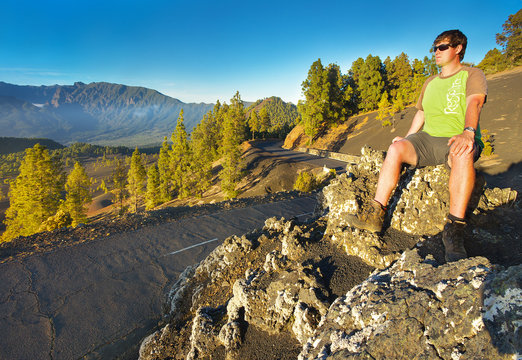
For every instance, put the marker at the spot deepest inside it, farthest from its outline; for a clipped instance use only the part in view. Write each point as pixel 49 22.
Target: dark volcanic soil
pixel 48 241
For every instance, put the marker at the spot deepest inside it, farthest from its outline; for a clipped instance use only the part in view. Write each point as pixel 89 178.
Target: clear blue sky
pixel 204 50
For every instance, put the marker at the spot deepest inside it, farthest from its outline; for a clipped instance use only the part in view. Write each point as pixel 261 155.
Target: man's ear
pixel 458 49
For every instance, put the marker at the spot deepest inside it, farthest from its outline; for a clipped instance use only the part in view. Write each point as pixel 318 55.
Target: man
pixel 448 114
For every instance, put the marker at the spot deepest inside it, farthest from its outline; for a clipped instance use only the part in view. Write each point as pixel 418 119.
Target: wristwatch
pixel 469 128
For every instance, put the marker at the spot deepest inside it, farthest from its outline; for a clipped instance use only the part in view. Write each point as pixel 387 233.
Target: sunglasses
pixel 441 47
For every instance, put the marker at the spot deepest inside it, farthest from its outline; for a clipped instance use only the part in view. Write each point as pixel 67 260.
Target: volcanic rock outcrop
pixel 325 290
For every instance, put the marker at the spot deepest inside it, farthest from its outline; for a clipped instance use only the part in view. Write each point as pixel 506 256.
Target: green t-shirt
pixel 443 100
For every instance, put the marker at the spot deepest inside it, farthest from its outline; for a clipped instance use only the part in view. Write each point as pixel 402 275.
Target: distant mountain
pixel 98 113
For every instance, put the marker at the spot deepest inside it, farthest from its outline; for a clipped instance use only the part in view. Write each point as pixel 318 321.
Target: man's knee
pixel 402 151
pixel 461 160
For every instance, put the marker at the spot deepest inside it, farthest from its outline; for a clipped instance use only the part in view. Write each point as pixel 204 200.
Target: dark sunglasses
pixel 441 47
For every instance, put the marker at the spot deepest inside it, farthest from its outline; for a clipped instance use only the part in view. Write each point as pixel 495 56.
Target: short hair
pixel 455 38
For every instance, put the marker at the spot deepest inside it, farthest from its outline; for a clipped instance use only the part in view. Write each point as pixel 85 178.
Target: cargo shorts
pixel 433 150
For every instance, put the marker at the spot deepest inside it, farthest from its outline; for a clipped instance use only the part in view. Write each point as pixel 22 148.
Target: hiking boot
pixel 453 240
pixel 370 217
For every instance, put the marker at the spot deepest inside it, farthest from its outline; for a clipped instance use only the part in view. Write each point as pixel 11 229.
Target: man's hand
pixel 397 138
pixel 462 144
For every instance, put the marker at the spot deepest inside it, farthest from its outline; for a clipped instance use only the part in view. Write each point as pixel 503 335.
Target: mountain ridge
pixel 101 113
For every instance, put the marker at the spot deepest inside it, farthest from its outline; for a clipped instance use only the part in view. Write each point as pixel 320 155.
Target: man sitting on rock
pixel 448 113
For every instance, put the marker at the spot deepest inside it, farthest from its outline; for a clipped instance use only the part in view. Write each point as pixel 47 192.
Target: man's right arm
pixel 416 125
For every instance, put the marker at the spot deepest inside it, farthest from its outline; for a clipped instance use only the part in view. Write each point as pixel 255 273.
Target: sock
pixel 454 218
pixel 382 206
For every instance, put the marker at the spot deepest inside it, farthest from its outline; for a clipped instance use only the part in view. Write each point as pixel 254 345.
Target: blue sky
pixel 202 51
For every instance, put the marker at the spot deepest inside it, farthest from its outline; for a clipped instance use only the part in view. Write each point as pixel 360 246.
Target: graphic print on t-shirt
pixel 453 96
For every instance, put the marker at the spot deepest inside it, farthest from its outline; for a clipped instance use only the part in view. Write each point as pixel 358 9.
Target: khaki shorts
pixel 432 150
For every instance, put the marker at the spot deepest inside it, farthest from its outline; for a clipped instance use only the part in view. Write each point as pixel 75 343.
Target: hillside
pixel 98 113
pixel 10 145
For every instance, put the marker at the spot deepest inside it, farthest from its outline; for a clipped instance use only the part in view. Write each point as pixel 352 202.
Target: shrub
pixel 305 182
pixel 487 139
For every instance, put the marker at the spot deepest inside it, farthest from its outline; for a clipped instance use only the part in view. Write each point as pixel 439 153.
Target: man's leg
pixel 461 183
pixel 399 152
pixel 371 218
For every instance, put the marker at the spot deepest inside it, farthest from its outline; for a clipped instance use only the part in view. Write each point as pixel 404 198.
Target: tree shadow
pixel 338 143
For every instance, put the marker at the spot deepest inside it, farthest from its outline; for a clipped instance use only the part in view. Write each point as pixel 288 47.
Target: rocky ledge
pixel 325 290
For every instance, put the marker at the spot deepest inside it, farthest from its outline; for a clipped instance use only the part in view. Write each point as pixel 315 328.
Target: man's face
pixel 446 54
pixel 444 57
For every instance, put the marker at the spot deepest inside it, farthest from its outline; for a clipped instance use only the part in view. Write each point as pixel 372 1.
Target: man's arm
pixel 463 143
pixel 416 125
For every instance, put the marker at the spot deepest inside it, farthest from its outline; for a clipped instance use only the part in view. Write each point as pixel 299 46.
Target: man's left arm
pixel 463 143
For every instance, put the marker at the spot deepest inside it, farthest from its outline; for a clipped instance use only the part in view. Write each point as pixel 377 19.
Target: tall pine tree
pixel 35 194
pixel 153 196
pixel 164 172
pixel 253 123
pixel 233 132
pixel 313 109
pixel 136 179
pixel 327 97
pixel 119 178
pixel 203 150
pixel 180 159
pixel 78 195
pixel 368 76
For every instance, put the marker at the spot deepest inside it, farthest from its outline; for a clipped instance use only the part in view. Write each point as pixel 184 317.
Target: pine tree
pixel 430 65
pixel 398 73
pixel 312 110
pixel 205 141
pixel 119 177
pixel 35 194
pixel 103 187
pixel 201 166
pixel 232 138
pixel 493 62
pixel 369 79
pixel 180 159
pixel 384 110
pixel 153 196
pixel 78 194
pixel 264 119
pixel 419 77
pixel 327 95
pixel 165 176
pixel 136 178
pixel 511 38
pixel 254 123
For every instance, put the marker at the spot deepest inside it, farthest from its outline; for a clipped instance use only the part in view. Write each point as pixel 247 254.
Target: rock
pixel 349 192
pixel 230 335
pixel 502 310
pixel 421 202
pixel 204 338
pixel 418 309
pixel 270 301
pixel 418 206
pixel 365 245
pixel 493 198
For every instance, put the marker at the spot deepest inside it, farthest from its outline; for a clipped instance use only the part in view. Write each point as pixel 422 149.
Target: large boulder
pixel 418 206
pixel 419 309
